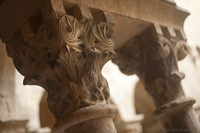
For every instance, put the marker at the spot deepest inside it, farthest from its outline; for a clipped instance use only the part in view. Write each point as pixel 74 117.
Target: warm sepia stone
pixel 8 106
pixel 66 65
pixel 144 105
pixel 62 46
pixel 65 56
pixel 153 57
pixel 11 119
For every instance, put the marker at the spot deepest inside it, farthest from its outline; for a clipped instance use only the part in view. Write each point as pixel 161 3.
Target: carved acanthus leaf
pixel 103 36
pixel 70 30
pixel 66 58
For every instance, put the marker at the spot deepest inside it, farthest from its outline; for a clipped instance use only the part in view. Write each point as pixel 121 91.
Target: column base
pixel 13 126
pixel 92 119
pixel 178 116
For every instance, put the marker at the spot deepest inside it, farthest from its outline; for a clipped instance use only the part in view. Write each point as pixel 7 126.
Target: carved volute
pixel 66 59
pixel 65 56
pixel 153 56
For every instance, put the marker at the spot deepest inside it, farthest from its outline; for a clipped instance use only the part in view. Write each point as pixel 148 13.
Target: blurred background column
pixel 11 120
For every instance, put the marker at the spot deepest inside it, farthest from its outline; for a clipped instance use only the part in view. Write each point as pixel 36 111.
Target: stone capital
pixel 153 56
pixel 65 55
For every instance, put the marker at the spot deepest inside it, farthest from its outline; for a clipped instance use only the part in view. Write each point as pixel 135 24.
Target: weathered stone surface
pixel 46 117
pixel 153 57
pixel 11 119
pixel 145 10
pixel 7 85
pixel 10 126
pixel 65 55
pixel 144 104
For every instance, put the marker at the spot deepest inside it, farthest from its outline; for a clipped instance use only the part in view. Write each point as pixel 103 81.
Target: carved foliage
pixel 66 59
pixel 154 60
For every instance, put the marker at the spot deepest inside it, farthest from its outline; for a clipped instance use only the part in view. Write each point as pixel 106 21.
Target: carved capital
pixel 153 57
pixel 66 57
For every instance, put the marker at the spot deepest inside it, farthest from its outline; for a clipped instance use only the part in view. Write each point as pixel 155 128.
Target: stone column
pixel 7 85
pixel 11 120
pixel 65 54
pixel 153 56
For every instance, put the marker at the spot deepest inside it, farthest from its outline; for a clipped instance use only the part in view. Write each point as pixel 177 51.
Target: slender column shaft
pixel 153 57
pixel 11 119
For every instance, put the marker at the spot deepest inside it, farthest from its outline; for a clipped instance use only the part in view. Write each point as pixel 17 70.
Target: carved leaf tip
pixel 71 30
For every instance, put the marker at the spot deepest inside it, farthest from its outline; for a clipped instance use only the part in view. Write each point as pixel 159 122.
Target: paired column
pixel 65 54
pixel 153 56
